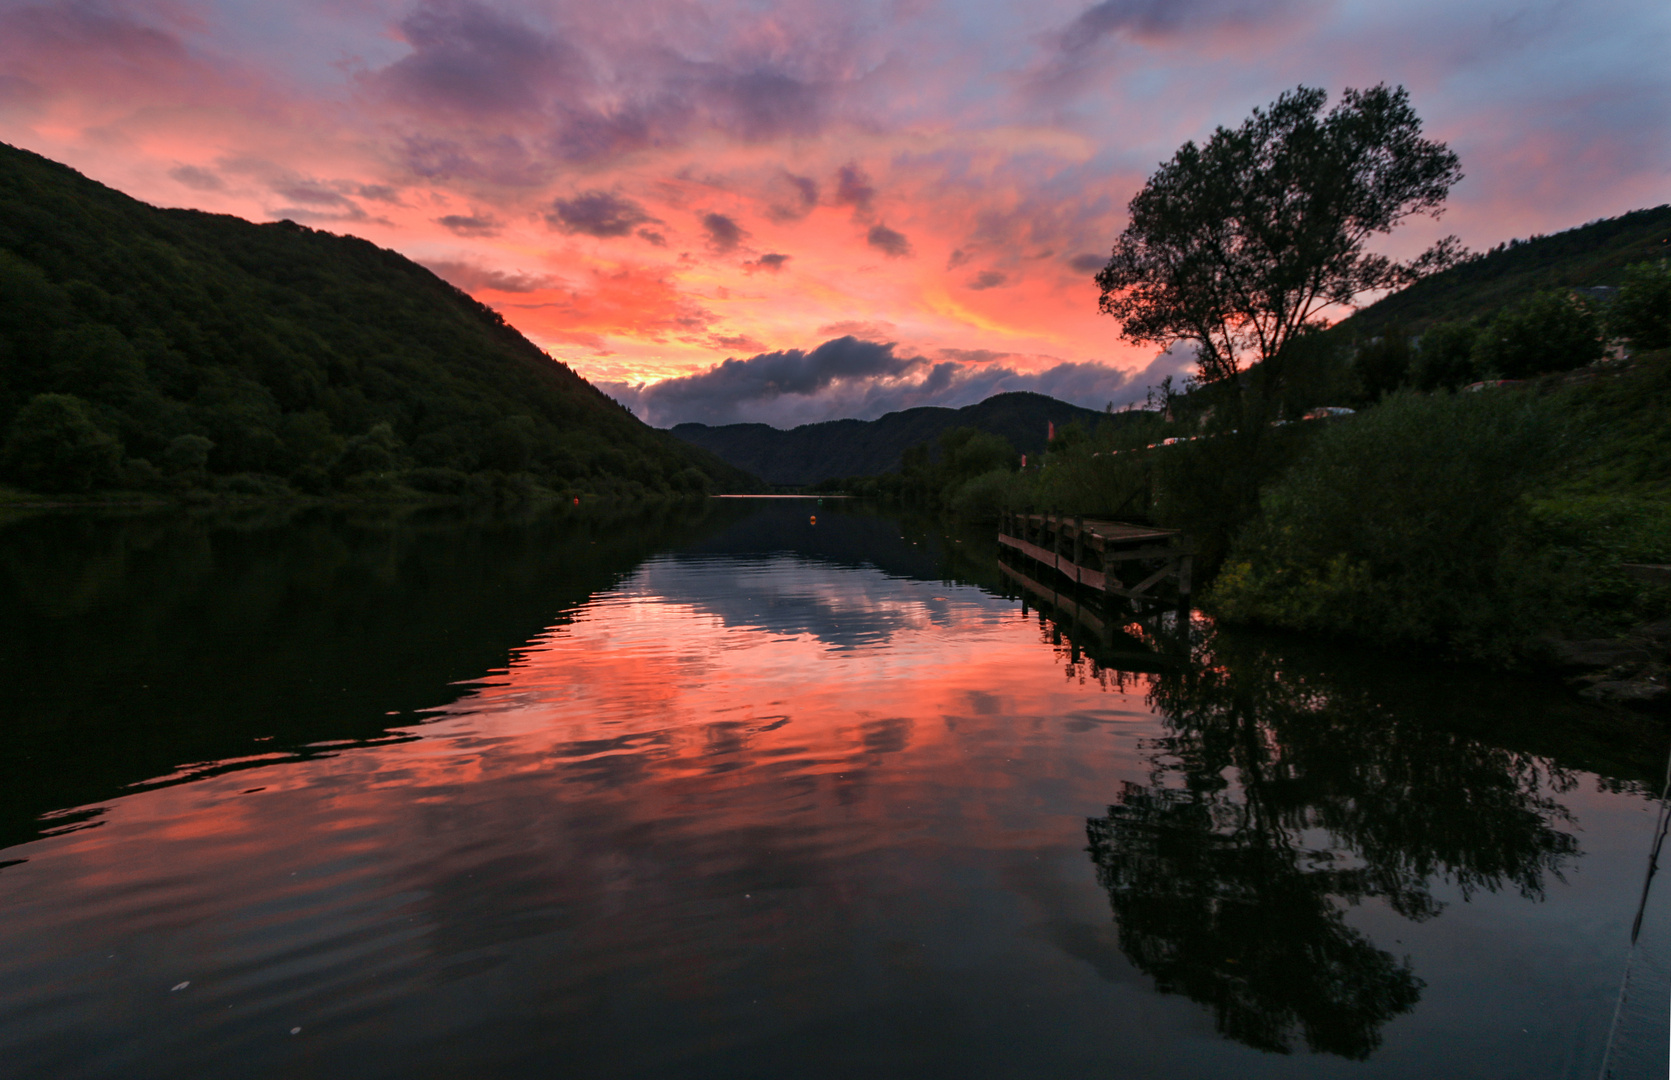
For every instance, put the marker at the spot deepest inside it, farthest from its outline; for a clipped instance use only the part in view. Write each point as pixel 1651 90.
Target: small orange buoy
pixel 815 519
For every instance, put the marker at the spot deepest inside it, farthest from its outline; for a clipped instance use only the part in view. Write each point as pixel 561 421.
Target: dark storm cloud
pixel 853 188
pixel 890 243
pixel 723 234
pixel 597 213
pixel 470 224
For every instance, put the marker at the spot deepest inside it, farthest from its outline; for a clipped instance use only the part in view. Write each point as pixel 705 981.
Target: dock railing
pixel 1105 556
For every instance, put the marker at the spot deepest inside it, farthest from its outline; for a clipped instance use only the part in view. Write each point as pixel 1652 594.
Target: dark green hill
pixel 1590 255
pixel 841 448
pixel 178 350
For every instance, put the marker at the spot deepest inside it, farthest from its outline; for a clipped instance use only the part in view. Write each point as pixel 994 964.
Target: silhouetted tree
pixel 1237 245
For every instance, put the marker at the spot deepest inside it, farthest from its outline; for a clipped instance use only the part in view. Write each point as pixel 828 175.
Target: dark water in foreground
pixel 737 795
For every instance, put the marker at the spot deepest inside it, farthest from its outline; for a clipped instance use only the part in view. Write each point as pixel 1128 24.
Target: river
pixel 770 789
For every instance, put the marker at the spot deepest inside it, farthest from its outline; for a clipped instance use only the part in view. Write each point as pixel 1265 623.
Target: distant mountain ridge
pixel 840 448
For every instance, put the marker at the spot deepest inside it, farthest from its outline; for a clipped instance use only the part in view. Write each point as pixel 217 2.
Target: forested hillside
pixel 174 350
pixel 1590 255
pixel 843 448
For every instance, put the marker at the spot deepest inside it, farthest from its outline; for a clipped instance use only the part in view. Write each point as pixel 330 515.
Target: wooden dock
pixel 1106 556
pixel 1091 634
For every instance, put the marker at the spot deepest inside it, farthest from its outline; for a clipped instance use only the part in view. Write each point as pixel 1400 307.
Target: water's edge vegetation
pixel 1478 523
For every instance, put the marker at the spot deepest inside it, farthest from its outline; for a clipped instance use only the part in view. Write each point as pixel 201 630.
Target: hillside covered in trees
pixel 1596 254
pixel 833 449
pixel 144 349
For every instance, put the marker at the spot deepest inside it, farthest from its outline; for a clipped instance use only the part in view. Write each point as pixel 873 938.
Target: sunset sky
pixel 795 211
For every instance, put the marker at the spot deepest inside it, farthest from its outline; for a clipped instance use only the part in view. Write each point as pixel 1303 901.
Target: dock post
pixel 1078 545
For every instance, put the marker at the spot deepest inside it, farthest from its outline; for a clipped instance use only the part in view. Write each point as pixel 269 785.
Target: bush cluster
pixel 1470 521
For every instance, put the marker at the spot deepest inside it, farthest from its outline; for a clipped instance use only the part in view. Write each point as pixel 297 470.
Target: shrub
pixel 1642 310
pixel 1551 331
pixel 1383 364
pixel 1445 357
pixel 983 497
pixel 56 445
pixel 1408 523
pixel 187 454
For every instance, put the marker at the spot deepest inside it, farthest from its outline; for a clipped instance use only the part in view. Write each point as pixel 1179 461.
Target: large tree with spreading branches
pixel 1243 243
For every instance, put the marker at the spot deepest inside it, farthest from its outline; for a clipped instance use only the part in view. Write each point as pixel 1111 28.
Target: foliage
pixel 1642 310
pixel 1550 331
pixel 303 360
pixel 1473 522
pixel 1445 358
pixel 56 445
pixel 1476 289
pixel 1383 365
pixel 1239 244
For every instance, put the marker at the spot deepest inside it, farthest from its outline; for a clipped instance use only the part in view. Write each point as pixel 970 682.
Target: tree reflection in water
pixel 1279 799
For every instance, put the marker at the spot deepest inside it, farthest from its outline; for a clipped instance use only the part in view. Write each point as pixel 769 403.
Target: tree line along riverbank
pixel 1490 524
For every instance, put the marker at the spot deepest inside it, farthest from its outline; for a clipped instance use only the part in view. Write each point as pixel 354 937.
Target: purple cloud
pixel 890 243
pixel 470 224
pixel 771 262
pixel 197 179
pixel 792 197
pixel 764 104
pixel 472 278
pixel 597 213
pixel 988 279
pixel 724 234
pixel 468 58
pixel 853 188
pixel 1166 18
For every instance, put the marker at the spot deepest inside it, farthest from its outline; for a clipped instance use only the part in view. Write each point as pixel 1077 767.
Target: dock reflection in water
pixel 762 798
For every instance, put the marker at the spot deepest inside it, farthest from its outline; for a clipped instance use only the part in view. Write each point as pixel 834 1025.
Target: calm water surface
pixel 734 794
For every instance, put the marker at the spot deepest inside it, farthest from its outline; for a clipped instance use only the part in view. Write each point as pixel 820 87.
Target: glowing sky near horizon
pixel 647 188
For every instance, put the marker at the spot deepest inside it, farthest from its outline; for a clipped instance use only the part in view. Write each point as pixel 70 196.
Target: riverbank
pixel 1484 525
